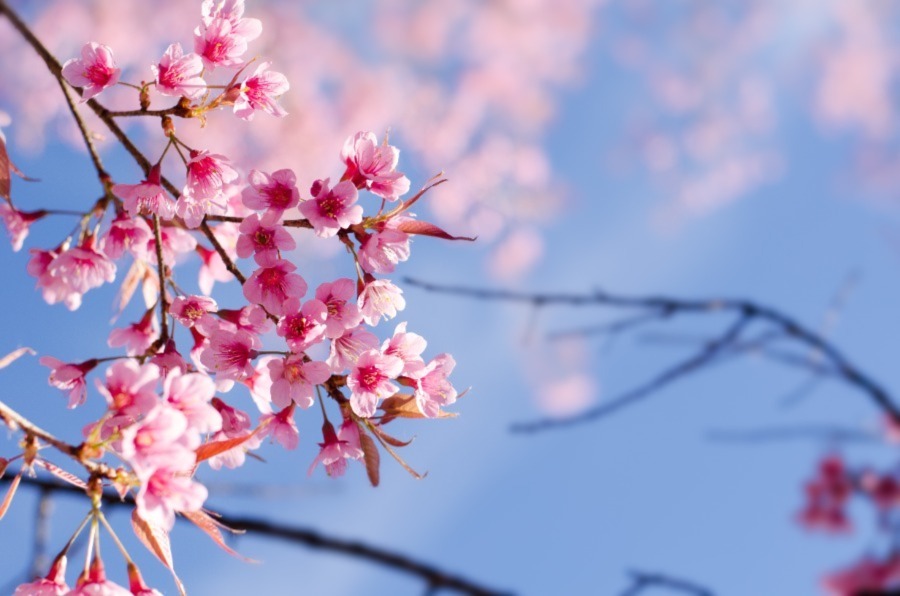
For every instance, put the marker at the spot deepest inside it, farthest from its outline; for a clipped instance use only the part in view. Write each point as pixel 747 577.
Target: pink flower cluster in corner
pixel 827 495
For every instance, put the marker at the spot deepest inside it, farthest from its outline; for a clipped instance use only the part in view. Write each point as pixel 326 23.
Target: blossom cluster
pixel 168 390
pixel 828 496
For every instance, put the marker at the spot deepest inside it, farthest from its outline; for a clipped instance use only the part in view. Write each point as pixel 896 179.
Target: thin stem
pixel 86 135
pixel 161 268
pixel 16 420
pixel 115 538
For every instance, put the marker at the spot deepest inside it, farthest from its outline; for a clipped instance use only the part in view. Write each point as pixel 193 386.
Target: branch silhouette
pixel 434 578
pixel 729 340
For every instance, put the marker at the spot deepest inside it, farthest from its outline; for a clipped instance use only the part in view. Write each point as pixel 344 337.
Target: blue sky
pixel 568 511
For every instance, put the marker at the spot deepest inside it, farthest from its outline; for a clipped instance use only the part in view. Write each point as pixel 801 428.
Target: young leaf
pixel 156 539
pixel 214 448
pixel 389 439
pixel 61 474
pixel 210 527
pixel 393 453
pixel 131 282
pixel 370 453
pixel 9 494
pixel 423 228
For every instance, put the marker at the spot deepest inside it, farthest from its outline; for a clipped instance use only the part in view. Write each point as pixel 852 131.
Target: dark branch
pixel 838 365
pixel 433 576
pixel 641 581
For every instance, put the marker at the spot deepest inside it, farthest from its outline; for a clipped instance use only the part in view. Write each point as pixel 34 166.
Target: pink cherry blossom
pixel 148 197
pixel 53 584
pixel 370 381
pixel 260 91
pixel 136 583
pixel 345 350
pixel 235 423
pixel 208 177
pixel 179 75
pixel 93 72
pixel 212 269
pixel 304 328
pixel 127 233
pixel 231 11
pixel 18 223
pixel 169 359
pixel 69 377
pixel 94 582
pixel 53 288
pixel 219 44
pixel 165 491
pixel 408 347
pixel 276 192
pixel 251 318
pixel 161 438
pixel 130 388
pixel 273 283
pixel 372 166
pixel 339 298
pixel 433 390
pixel 83 268
pixel 194 311
pixel 281 427
pixel 191 394
pixel 381 251
pixel 208 174
pixel 294 379
pixel 230 354
pixel 868 576
pixel 137 337
pixel 263 237
pixel 380 299
pixel 826 497
pixel 330 209
pixel 336 450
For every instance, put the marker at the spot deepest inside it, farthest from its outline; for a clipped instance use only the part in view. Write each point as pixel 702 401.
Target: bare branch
pixel 838 365
pixel 434 577
pixel 641 580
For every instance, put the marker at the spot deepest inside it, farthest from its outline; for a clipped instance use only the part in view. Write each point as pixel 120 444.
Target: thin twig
pixel 86 136
pixel 16 421
pixel 641 581
pixel 843 368
pixel 689 365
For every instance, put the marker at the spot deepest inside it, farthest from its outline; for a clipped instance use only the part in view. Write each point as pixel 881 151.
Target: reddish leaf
pixel 9 494
pixel 423 228
pixel 389 439
pixel 214 448
pixel 156 539
pixel 211 527
pixel 3 463
pixel 5 181
pixel 393 453
pixel 370 453
pixel 14 355
pixel 61 474
pixel 129 285
pixel 404 406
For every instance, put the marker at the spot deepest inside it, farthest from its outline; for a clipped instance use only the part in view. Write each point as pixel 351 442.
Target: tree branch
pixel 433 576
pixel 665 307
